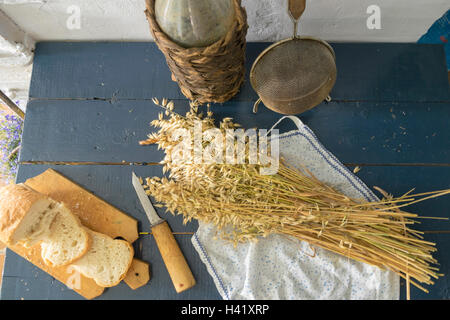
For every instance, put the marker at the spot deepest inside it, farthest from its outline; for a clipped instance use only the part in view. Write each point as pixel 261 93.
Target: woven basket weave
pixel 208 74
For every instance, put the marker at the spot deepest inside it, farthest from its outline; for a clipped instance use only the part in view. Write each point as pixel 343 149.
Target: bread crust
pixel 129 265
pixel 16 201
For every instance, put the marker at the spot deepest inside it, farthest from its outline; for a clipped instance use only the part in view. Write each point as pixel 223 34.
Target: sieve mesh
pixel 293 69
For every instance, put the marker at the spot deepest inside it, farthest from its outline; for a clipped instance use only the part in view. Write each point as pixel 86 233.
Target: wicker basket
pixel 208 74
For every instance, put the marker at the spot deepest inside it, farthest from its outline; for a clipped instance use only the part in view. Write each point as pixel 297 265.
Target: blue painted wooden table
pixel 90 104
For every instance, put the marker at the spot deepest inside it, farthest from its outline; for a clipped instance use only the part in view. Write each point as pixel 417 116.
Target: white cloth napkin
pixel 280 267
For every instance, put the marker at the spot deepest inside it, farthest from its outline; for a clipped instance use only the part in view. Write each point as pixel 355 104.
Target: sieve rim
pixel 276 44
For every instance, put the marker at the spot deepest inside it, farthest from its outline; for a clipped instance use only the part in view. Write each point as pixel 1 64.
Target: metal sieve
pixel 295 74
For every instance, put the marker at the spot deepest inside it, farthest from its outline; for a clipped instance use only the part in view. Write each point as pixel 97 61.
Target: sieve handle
pixel 296 9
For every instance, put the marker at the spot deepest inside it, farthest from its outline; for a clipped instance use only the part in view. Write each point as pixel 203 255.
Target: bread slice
pixel 107 261
pixel 28 217
pixel 67 240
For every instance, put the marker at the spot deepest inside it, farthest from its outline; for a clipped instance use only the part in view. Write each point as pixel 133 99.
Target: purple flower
pixel 10 138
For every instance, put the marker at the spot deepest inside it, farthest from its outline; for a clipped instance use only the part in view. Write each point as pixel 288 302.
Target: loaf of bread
pixel 22 210
pixel 28 217
pixel 107 261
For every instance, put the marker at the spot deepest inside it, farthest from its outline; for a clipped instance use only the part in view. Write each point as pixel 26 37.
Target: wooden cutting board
pixel 95 214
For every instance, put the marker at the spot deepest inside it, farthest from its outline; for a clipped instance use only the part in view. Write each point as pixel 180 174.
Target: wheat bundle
pixel 246 205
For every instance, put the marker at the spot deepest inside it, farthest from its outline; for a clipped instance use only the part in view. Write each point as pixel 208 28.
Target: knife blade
pixel 173 258
pixel 145 201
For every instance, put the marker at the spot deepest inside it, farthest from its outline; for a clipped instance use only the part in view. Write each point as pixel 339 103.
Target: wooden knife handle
pixel 176 264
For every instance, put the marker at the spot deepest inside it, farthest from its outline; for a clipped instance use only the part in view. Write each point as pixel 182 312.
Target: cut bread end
pixel 107 261
pixel 35 226
pixel 25 214
pixel 28 217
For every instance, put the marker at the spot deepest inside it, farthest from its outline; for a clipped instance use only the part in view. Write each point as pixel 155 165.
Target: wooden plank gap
pixel 437 232
pixel 89 163
pixel 126 163
pixel 114 99
pixel 175 233
pixel 397 164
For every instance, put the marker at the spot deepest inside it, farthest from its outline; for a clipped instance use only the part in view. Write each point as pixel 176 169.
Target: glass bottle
pixel 195 23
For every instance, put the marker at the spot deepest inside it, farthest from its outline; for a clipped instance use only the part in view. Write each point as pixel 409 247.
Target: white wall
pixel 15 60
pixel 342 20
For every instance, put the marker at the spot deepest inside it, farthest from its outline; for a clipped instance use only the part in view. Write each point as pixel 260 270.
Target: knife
pixel 173 258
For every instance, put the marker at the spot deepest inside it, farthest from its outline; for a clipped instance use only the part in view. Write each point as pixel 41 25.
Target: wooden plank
pixel 79 130
pixel 366 71
pixel 356 132
pixel 391 72
pixel 23 280
pixel 113 184
pixel 100 70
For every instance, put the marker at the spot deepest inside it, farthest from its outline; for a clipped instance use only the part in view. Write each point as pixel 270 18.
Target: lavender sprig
pixel 10 139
